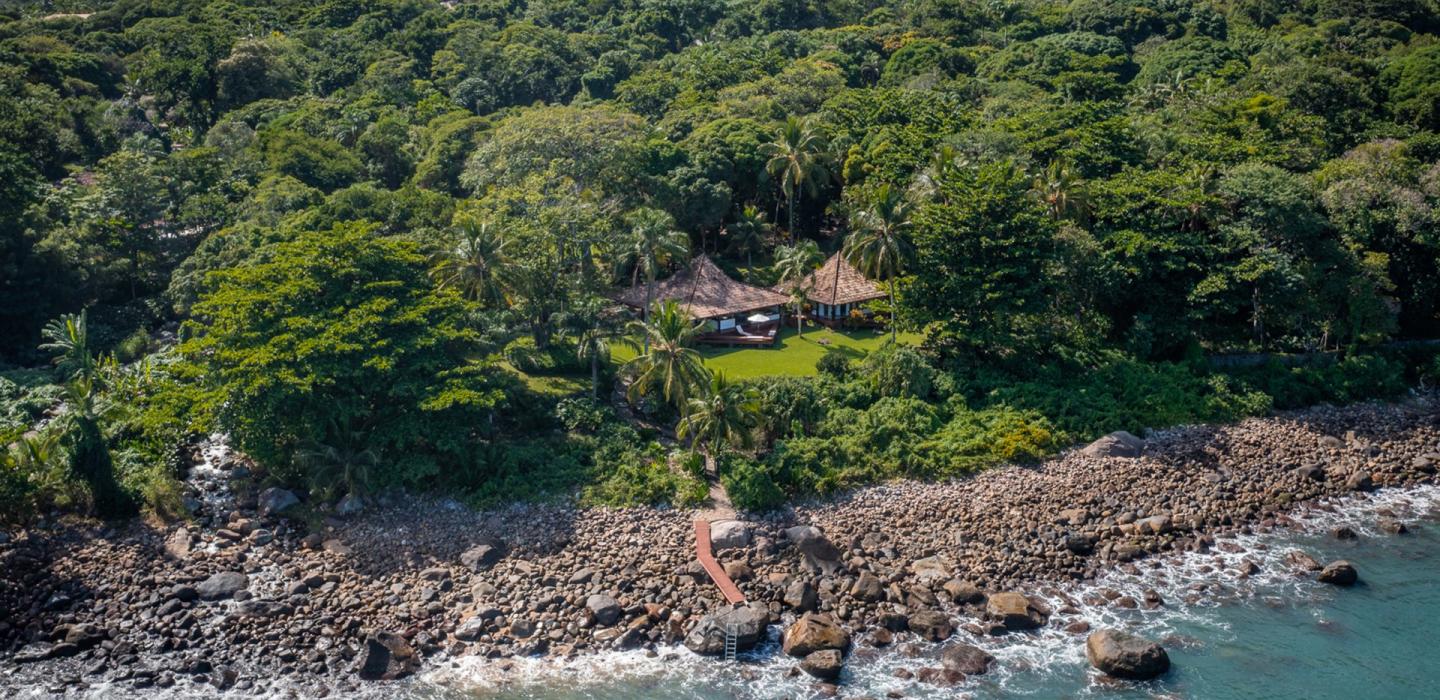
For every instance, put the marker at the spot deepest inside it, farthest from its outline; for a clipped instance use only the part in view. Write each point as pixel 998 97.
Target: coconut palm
pixel 725 415
pixel 747 233
pixel 1062 191
pixel 472 265
pixel 653 244
pixel 879 244
pixel 793 265
pixel 667 362
pixel 797 159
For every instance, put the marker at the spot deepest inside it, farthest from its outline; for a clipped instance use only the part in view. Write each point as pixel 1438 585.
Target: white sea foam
pixel 1193 586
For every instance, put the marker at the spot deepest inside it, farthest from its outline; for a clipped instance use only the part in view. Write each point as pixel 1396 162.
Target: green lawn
pixel 795 355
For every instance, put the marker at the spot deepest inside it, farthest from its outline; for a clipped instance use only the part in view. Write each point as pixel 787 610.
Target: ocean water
pixel 1270 635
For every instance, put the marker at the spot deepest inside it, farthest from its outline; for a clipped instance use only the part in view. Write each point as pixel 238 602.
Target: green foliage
pixel 341 331
pixel 750 485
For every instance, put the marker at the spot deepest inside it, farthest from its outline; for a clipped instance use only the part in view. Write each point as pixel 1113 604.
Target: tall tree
pixel 747 233
pixel 1062 192
pixel 793 265
pixel 879 244
pixel 797 159
pixel 472 264
pixel 668 364
pixel 654 243
pixel 725 414
pixel 85 408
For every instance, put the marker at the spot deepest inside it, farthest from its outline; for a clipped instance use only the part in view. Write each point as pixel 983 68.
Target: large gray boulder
pixel 1116 444
pixel 729 534
pixel 931 625
pixel 818 552
pixel 707 638
pixel 606 610
pixel 482 556
pixel 967 659
pixel 387 656
pixel 222 586
pixel 1124 655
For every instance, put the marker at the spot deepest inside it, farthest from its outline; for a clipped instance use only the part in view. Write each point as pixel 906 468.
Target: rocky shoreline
pixel 258 594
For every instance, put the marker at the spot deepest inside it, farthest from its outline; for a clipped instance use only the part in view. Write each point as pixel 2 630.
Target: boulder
pixel 1360 481
pixel 482 556
pixel 818 552
pixel 1154 525
pixel 867 588
pixel 824 664
pixel 470 630
pixel 177 545
pixel 606 610
pixel 1124 655
pixel 1014 612
pixel 707 638
pixel 1339 573
pixel 275 501
pixel 967 659
pixel 931 625
pixel 387 656
pixel 350 505
pixel 963 592
pixel 931 569
pixel 801 596
pixel 1302 561
pixel 264 608
pixel 729 534
pixel 581 576
pixel 222 585
pixel 811 633
pixel 1116 444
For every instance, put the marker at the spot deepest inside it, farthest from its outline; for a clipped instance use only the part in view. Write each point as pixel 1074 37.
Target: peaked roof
pixel 706 292
pixel 838 282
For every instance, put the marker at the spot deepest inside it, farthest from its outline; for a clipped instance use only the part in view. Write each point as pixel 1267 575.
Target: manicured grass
pixel 559 385
pixel 795 355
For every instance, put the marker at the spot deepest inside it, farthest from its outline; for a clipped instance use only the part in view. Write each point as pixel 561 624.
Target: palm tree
pixel 654 242
pixel 592 344
pixel 797 158
pixel 339 464
pixel 69 339
pixel 1062 191
pixel 667 362
pixel 725 415
pixel 793 265
pixel 747 233
pixel 879 244
pixel 472 265
pixel 89 453
pixel 945 160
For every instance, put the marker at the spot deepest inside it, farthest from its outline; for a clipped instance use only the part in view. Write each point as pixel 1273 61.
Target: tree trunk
pixel 595 374
pixel 645 312
pixel 893 335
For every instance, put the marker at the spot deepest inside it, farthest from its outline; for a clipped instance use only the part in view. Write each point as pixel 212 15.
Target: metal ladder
pixel 730 642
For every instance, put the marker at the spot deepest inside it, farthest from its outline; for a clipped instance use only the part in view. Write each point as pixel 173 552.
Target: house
pixel 732 311
pixel 835 290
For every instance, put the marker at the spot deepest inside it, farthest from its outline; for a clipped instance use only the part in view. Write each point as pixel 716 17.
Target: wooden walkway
pixel 712 567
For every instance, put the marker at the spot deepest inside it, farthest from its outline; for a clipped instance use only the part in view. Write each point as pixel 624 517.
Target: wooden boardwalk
pixel 712 567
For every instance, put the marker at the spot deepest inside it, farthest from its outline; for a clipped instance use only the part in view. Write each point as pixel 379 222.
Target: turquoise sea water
pixel 1271 635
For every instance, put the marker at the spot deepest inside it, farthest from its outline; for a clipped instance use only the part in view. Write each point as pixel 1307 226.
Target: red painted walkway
pixel 712 567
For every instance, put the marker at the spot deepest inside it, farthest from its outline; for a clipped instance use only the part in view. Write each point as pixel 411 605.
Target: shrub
pixel 750 485
pixel 583 415
pixel 834 363
pixel 558 357
pixel 973 440
pixel 898 370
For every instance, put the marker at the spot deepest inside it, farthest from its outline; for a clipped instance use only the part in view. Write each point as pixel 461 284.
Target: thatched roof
pixel 838 282
pixel 706 292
